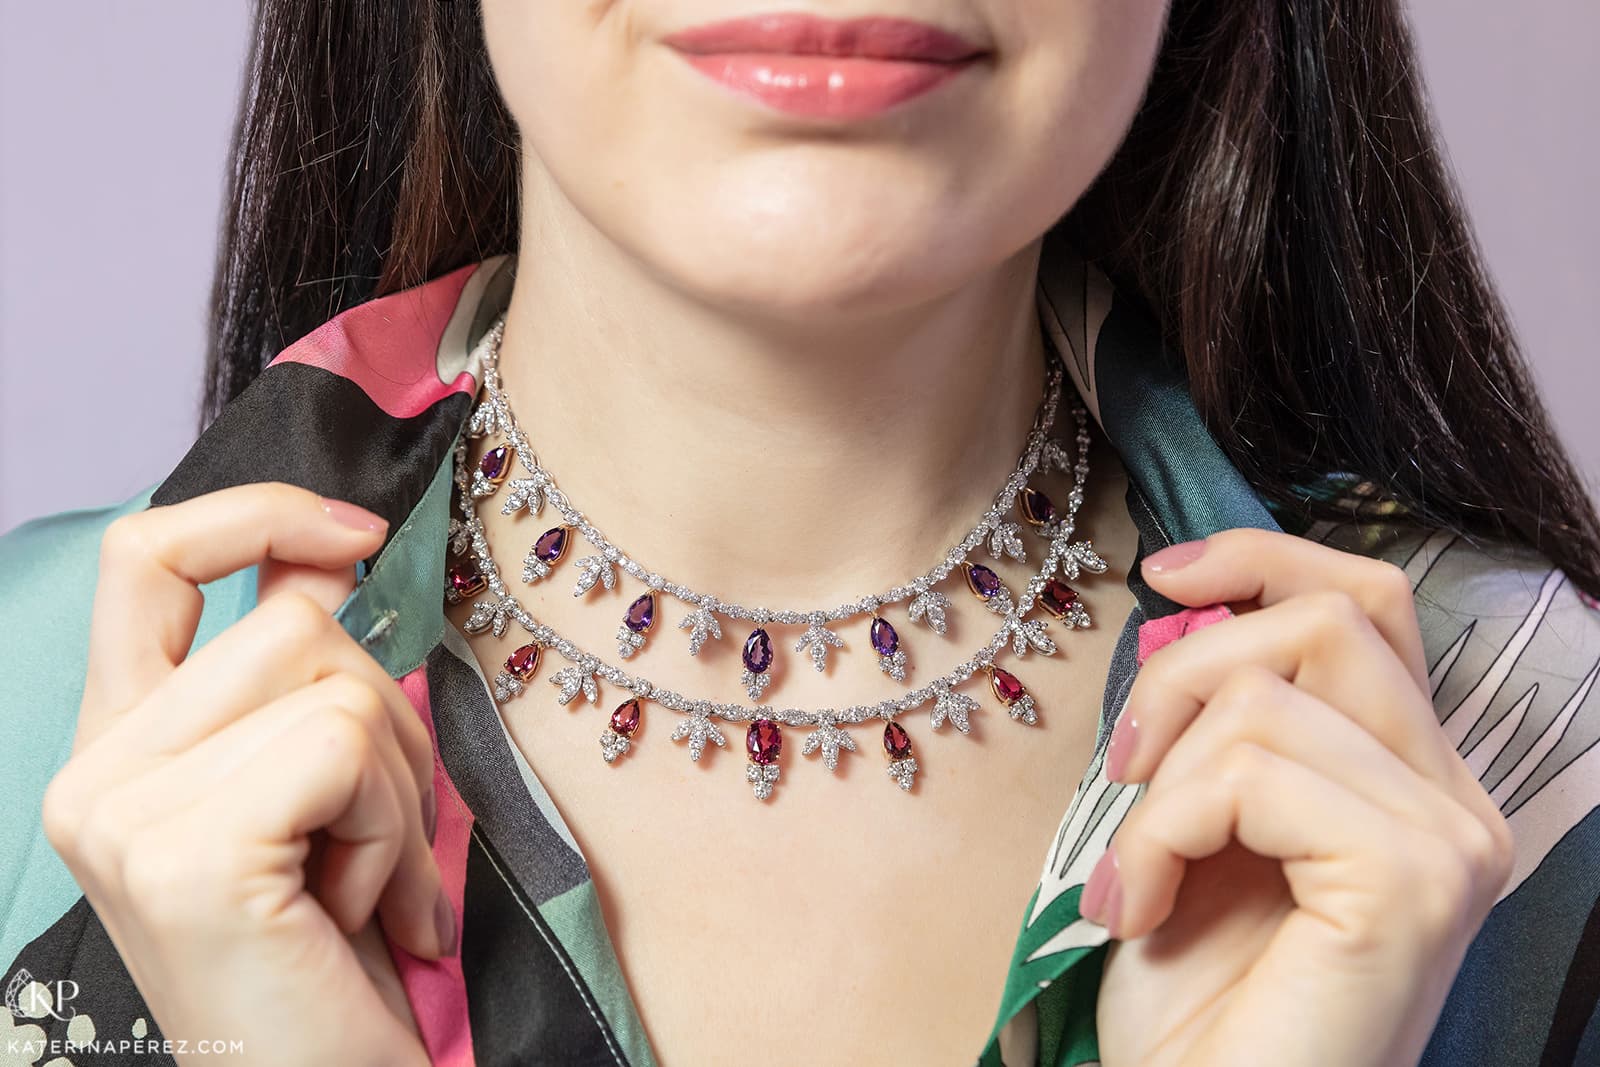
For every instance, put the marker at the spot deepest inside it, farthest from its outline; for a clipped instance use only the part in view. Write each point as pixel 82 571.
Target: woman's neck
pixel 801 461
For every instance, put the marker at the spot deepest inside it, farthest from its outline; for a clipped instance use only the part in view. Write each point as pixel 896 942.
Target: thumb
pixel 328 587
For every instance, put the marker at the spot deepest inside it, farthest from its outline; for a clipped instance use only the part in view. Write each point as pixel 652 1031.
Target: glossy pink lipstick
pixel 825 68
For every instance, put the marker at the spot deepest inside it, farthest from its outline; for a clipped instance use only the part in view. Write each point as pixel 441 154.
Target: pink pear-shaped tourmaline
pixel 884 639
pixel 763 741
pixel 1005 685
pixel 1036 507
pixel 495 463
pixel 982 580
pixel 896 741
pixel 524 661
pixel 758 651
pixel 1057 597
pixel 465 579
pixel 552 544
pixel 641 613
pixel 625 719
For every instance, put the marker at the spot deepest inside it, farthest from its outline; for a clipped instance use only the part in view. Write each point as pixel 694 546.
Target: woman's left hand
pixel 1311 859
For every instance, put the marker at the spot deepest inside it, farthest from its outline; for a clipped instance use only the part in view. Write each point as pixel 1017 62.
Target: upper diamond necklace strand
pixel 474 571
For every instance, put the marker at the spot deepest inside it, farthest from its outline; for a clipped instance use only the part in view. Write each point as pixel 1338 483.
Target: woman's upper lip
pixel 870 37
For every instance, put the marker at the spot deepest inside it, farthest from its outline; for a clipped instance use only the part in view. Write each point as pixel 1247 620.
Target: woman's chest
pixel 842 918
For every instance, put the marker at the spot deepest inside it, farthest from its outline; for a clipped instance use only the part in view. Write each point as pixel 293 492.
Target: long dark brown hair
pixel 1280 203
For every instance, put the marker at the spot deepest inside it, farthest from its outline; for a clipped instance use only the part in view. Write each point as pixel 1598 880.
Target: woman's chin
pixel 798 271
pixel 839 286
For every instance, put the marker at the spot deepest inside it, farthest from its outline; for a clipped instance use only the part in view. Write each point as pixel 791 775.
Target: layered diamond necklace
pixel 1017 508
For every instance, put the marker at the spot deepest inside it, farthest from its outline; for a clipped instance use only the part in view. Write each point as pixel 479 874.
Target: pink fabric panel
pixel 437 990
pixel 1163 631
pixel 397 366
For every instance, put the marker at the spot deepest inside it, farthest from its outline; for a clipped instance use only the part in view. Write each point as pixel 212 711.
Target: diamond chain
pixel 468 537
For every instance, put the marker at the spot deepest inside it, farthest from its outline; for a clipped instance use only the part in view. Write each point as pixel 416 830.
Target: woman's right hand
pixel 236 817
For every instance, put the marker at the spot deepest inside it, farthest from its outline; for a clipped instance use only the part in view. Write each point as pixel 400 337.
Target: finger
pixel 1321 641
pixel 1258 707
pixel 278 647
pixel 327 773
pixel 147 603
pixel 1326 836
pixel 154 788
pixel 1269 566
pixel 328 587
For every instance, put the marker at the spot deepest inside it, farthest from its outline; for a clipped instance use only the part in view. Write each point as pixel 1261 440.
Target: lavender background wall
pixel 114 121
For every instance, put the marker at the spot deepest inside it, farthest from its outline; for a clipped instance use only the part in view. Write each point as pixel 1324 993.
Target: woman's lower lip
pixel 823 86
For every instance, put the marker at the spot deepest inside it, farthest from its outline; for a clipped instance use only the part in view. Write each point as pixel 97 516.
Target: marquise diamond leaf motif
pixel 1054 457
pixel 492 615
pixel 461 534
pixel 929 606
pixel 486 418
pixel 702 624
pixel 523 493
pixel 954 706
pixel 698 729
pixel 1029 634
pixel 1080 555
pixel 818 638
pixel 573 680
pixel 1006 540
pixel 592 569
pixel 830 739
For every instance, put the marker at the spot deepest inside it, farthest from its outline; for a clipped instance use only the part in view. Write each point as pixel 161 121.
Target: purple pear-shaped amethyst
pixel 982 580
pixel 884 639
pixel 494 464
pixel 758 651
pixel 1036 507
pixel 552 544
pixel 641 613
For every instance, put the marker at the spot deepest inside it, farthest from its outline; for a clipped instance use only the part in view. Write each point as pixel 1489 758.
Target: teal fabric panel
pixel 396 610
pixel 1145 407
pixel 48 571
pixel 577 920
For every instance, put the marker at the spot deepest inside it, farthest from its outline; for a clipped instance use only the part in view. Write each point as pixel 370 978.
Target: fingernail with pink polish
pixel 347 514
pixel 430 814
pixel 1119 750
pixel 1102 894
pixel 1174 556
pixel 444 920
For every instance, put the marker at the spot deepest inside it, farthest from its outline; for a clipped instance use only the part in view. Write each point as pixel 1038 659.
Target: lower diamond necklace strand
pixel 473 571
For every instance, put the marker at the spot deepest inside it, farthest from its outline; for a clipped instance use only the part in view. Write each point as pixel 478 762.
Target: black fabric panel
pixel 310 427
pixel 526 1002
pixel 482 766
pixel 77 950
pixel 1579 1001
